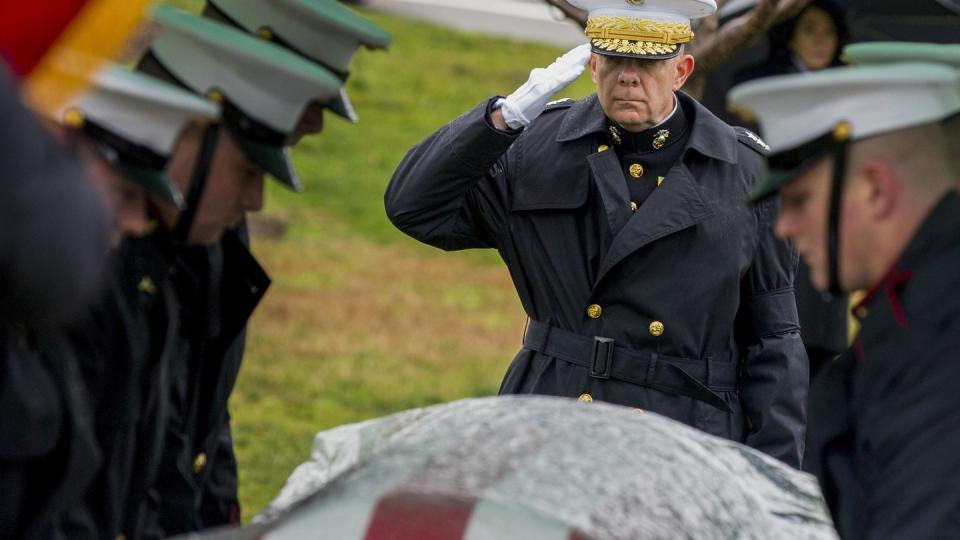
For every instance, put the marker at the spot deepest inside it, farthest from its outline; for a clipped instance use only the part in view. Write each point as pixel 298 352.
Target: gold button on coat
pixel 636 170
pixel 861 311
pixel 633 206
pixel 199 462
pixel 602 148
pixel 585 398
pixel 594 311
pixel 656 328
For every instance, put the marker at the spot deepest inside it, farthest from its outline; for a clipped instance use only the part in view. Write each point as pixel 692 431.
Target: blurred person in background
pixel 810 41
pixel 291 58
pixel 127 125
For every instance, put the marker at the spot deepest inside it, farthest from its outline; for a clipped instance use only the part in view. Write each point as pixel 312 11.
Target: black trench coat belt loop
pixel 700 380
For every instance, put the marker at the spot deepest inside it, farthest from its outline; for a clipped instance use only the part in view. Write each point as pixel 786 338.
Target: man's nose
pixel 131 217
pixel 253 195
pixel 629 74
pixel 782 228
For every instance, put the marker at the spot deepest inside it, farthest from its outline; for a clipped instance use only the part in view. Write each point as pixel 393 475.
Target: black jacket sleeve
pixel 450 190
pixel 775 374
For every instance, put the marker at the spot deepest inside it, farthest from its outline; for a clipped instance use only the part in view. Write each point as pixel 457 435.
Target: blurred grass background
pixel 362 321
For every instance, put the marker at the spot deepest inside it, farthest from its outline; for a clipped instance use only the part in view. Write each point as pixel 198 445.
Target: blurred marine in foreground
pixel 862 159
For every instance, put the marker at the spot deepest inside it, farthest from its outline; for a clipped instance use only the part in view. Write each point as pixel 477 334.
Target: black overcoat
pixel 217 289
pixel 123 346
pixel 885 416
pixel 693 289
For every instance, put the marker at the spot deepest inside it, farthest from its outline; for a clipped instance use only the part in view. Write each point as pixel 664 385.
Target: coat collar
pixel 710 136
pixel 939 233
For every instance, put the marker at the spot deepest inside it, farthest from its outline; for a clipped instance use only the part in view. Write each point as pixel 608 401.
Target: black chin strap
pixel 197 182
pixel 841 137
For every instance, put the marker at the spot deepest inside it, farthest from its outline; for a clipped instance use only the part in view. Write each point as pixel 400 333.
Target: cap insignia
pixel 638 36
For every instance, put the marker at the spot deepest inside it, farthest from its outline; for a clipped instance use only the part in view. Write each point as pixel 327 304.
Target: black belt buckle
pixel 601 362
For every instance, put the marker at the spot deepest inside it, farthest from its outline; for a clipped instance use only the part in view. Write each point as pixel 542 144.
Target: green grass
pixel 429 76
pixel 361 321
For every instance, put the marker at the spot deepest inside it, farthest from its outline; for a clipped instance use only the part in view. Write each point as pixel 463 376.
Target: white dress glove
pixel 527 102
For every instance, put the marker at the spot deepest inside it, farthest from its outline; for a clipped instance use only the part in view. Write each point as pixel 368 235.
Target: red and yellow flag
pixel 55 46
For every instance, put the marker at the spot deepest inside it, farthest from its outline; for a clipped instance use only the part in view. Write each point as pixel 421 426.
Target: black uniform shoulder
pixel 752 140
pixel 546 124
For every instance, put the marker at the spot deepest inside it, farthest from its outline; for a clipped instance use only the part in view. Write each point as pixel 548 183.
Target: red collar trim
pixel 888 285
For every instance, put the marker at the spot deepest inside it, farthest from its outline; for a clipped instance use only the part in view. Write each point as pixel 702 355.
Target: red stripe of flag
pixel 415 516
pixel 28 29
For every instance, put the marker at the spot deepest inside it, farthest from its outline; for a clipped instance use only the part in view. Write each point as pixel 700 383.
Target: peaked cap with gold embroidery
pixel 644 29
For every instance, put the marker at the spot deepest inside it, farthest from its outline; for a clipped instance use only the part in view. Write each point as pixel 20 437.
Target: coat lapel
pixel 613 188
pixel 673 206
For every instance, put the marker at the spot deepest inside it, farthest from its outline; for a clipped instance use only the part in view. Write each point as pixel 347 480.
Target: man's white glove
pixel 527 102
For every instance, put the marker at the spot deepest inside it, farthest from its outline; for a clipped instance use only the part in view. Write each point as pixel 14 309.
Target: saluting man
pixel 861 161
pixel 620 216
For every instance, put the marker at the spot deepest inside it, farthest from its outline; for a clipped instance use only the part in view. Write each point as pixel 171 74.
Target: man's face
pixel 310 122
pixel 234 186
pixel 638 94
pixel 803 220
pixel 126 200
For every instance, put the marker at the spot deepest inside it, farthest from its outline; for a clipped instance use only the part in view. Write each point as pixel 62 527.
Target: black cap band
pixel 242 125
pixel 800 157
pixel 126 151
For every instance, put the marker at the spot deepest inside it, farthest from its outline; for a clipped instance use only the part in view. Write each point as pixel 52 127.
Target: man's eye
pixel 794 200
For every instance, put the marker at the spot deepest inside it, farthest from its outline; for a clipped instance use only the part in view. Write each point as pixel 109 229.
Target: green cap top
pixel 803 115
pixel 263 88
pixel 324 31
pixel 882 52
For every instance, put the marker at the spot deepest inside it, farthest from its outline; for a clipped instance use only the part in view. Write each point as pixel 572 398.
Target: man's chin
pixel 206 238
pixel 818 279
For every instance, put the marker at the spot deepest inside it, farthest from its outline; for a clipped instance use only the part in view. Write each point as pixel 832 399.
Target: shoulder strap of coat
pixel 561 103
pixel 752 140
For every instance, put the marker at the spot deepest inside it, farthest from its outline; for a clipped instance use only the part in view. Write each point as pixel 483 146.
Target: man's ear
pixel 881 187
pixel 685 67
pixel 593 63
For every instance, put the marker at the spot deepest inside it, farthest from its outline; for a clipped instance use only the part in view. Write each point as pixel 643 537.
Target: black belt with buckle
pixel 700 380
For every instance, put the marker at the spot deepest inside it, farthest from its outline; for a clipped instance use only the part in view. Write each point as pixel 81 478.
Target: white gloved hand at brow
pixel 527 102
